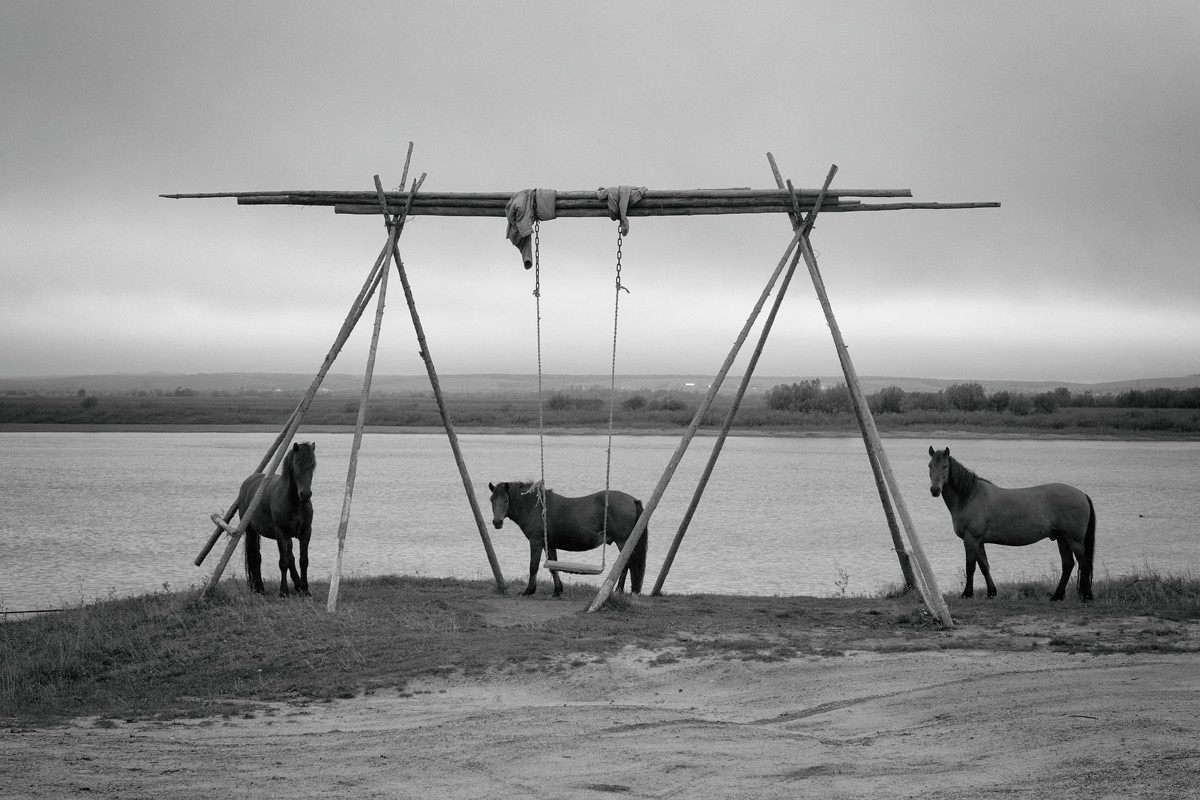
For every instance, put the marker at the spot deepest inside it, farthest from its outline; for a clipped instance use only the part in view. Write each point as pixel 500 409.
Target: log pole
pixel 860 409
pixel 927 582
pixel 335 580
pixel 436 385
pixel 293 425
pixel 737 400
pixel 639 528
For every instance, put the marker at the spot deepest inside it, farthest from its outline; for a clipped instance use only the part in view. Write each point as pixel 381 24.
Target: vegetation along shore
pixel 804 407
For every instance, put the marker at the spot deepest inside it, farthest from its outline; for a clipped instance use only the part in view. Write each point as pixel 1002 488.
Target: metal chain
pixel 612 401
pixel 537 293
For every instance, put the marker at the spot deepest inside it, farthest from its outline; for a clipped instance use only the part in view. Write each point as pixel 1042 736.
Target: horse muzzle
pixel 306 496
pixel 498 524
pixel 936 491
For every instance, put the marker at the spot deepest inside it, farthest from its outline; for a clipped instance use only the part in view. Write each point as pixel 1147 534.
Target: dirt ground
pixel 998 713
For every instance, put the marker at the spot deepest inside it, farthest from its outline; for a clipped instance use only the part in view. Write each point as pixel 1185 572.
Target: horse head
pixel 499 503
pixel 303 464
pixel 939 470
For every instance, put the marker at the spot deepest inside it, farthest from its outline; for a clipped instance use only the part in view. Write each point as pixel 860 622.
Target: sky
pixel 1081 118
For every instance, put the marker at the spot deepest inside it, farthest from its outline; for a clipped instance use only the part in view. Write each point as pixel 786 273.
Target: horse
pixel 983 513
pixel 284 513
pixel 574 523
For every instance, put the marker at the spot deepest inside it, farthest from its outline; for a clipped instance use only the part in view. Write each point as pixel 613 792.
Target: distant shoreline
pixel 936 434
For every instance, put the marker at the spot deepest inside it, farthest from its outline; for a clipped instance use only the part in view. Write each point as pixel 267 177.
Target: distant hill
pixel 499 384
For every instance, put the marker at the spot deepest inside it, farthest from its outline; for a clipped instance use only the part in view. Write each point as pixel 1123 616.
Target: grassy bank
pixel 172 654
pixel 671 412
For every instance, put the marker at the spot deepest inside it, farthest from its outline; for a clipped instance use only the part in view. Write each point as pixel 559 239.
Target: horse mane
pixel 962 480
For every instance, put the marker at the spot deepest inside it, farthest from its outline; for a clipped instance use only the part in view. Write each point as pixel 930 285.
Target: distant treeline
pixel 810 396
pixel 803 407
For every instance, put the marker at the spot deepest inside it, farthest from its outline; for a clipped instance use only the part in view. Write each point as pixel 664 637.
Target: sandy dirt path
pixel 861 725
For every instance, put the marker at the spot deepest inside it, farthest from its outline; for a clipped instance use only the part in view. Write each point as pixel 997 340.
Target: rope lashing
pixel 619 199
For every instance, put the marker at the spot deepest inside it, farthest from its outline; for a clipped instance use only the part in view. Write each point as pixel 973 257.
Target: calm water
pixel 89 515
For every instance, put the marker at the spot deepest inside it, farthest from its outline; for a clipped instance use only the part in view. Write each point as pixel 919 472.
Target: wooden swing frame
pixel 801 206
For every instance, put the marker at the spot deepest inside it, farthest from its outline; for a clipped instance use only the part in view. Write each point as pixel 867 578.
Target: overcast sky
pixel 1082 118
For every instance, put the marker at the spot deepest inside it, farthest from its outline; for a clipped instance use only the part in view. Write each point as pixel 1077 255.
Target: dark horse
pixel 574 523
pixel 984 513
pixel 284 513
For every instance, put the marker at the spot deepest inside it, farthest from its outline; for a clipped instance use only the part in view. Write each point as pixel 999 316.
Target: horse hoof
pixel 528 592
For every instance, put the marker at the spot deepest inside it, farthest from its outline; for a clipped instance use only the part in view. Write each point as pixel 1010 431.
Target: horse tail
pixel 637 561
pixel 1089 550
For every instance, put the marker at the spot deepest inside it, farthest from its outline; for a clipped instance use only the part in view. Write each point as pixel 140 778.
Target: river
pixel 95 515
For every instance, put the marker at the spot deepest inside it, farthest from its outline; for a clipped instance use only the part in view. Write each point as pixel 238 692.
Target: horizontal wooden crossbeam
pixel 654 203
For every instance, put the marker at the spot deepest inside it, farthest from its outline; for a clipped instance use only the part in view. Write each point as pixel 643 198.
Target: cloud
pixel 1079 117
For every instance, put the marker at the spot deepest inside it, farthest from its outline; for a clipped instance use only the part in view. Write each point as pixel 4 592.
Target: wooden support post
pixel 737 400
pixel 436 385
pixel 925 577
pixel 860 409
pixel 293 424
pixel 335 580
pixel 639 528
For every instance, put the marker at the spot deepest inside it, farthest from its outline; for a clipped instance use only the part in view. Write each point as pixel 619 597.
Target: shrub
pixel 889 400
pixel 1020 404
pixel 966 396
pixel 797 397
pixel 669 404
pixel 1046 402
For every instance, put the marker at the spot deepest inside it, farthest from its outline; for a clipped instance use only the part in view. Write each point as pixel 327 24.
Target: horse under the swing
pixel 575 524
pixel 284 513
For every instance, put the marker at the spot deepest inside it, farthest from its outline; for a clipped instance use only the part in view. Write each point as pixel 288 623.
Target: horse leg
pixel 291 562
pixel 302 587
pixel 552 554
pixel 253 561
pixel 306 515
pixel 1068 562
pixel 285 561
pixel 986 570
pixel 969 588
pixel 535 558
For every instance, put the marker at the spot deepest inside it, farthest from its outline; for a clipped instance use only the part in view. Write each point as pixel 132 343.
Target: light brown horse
pixel 573 523
pixel 284 513
pixel 983 513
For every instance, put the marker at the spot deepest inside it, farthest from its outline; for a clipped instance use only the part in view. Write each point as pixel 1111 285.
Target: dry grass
pixel 173 654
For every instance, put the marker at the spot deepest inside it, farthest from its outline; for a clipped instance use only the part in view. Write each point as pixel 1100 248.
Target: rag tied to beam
pixel 529 206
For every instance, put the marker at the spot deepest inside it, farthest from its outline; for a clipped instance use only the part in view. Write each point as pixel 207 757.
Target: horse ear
pixel 931 450
pixel 491 488
pixel 947 452
pixel 295 447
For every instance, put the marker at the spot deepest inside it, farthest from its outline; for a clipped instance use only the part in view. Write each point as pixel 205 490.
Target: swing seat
pixel 573 567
